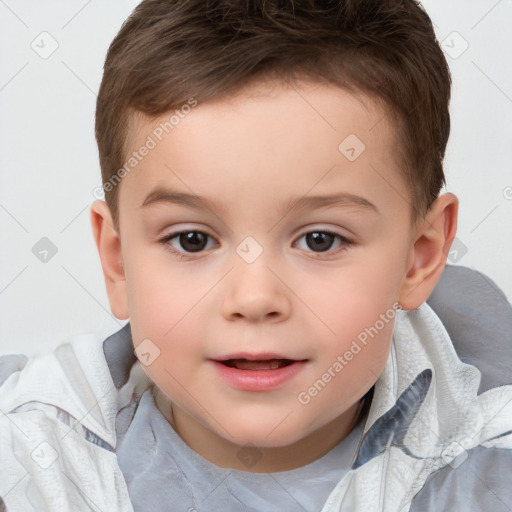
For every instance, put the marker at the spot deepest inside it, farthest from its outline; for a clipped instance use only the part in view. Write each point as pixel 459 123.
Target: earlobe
pixel 108 244
pixel 433 239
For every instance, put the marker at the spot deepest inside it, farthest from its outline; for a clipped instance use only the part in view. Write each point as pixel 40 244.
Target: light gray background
pixel 49 163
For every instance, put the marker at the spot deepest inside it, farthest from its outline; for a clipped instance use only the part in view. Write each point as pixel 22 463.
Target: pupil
pixel 193 241
pixel 319 239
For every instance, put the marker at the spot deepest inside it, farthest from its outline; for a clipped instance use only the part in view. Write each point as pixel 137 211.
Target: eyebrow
pixel 343 199
pixel 163 195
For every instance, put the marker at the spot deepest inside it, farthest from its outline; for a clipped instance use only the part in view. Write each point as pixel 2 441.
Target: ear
pixel 432 240
pixel 108 243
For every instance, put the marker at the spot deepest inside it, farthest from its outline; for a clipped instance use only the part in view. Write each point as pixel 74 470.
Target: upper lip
pixel 262 356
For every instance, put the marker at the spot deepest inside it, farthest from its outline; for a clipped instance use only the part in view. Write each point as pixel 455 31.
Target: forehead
pixel 277 103
pixel 289 138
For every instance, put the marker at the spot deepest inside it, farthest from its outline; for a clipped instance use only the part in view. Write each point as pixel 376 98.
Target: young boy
pixel 273 227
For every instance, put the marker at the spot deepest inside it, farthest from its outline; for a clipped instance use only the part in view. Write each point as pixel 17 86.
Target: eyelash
pixel 345 243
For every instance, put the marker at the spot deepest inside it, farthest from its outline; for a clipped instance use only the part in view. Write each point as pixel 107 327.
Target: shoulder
pixel 59 411
pixel 72 380
pixel 478 479
pixel 84 381
pixel 477 316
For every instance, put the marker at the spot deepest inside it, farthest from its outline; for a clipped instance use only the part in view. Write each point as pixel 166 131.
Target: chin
pixel 265 435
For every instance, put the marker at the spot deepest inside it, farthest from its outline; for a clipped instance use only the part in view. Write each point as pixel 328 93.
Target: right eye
pixel 190 241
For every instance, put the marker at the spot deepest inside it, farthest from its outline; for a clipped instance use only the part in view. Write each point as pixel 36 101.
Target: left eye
pixel 322 241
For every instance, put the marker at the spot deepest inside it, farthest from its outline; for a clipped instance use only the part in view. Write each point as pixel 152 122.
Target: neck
pixel 223 453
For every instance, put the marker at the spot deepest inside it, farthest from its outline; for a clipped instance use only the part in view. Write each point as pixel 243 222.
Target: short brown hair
pixel 168 51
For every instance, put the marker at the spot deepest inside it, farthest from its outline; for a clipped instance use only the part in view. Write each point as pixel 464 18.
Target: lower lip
pixel 258 380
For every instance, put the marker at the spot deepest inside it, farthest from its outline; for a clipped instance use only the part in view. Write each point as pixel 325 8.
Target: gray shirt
pixel 163 473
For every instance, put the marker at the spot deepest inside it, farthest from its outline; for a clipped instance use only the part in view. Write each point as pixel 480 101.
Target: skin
pixel 250 154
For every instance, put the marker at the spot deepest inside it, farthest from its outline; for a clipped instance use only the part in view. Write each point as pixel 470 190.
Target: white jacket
pixel 58 430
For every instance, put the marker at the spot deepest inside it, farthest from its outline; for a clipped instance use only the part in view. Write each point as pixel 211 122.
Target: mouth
pixel 258 372
pixel 251 364
pixel 261 361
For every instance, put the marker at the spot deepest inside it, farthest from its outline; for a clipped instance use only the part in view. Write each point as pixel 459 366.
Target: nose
pixel 257 293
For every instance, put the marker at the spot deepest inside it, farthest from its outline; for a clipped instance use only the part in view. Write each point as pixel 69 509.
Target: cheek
pixel 159 296
pixel 164 309
pixel 346 373
pixel 173 328
pixel 351 301
pixel 357 313
pixel 358 358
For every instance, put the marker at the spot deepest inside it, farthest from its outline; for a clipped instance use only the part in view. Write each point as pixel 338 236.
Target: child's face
pixel 248 282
